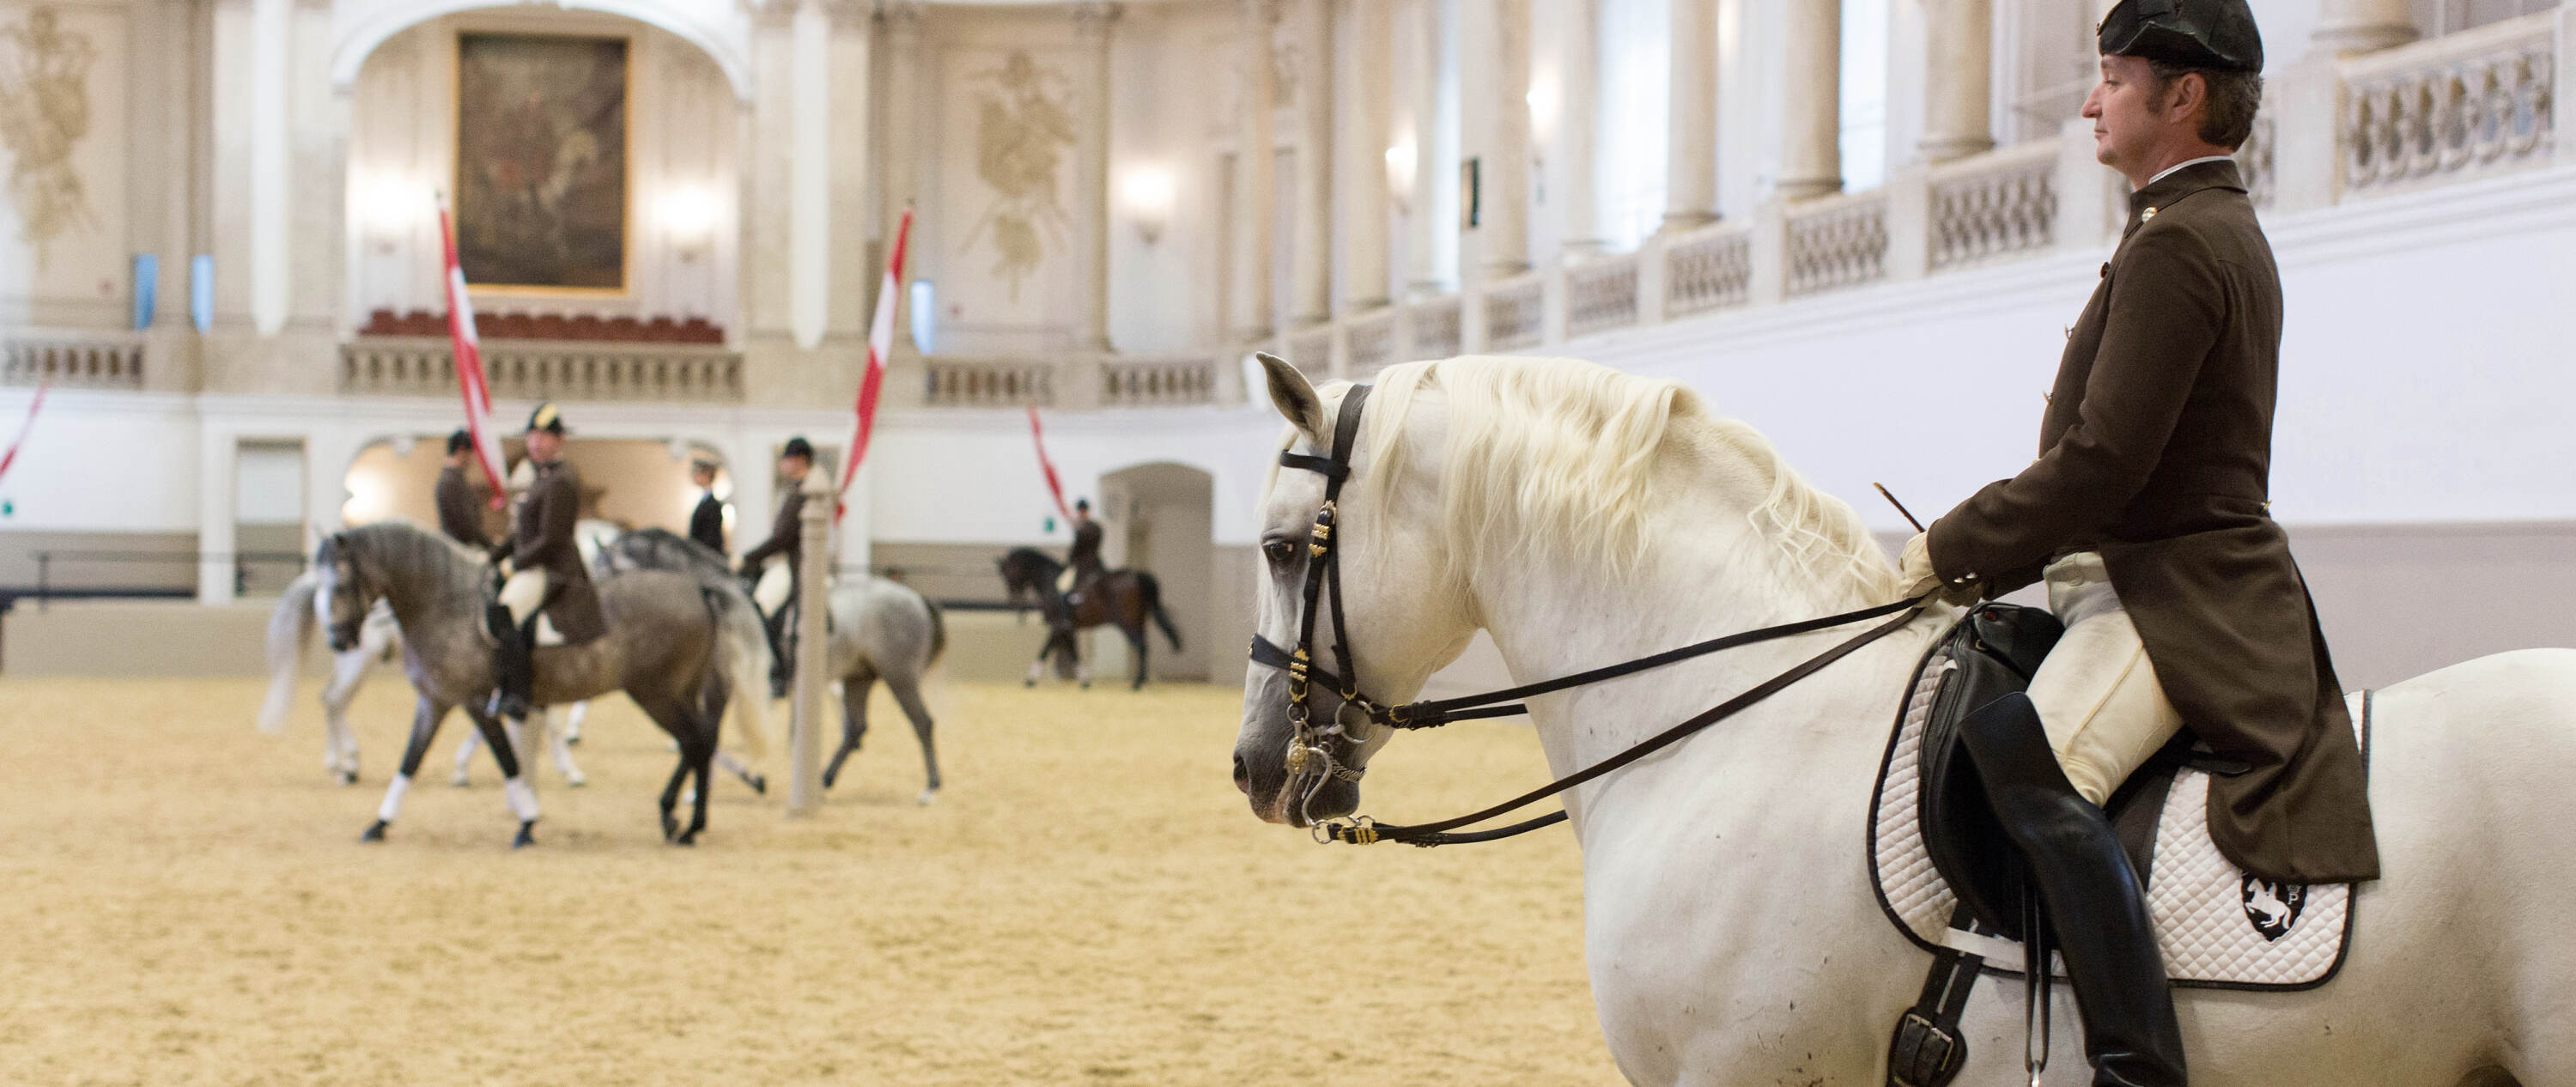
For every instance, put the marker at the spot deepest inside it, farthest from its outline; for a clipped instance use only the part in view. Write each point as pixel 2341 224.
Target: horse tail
pixel 743 648
pixel 290 629
pixel 938 631
pixel 1154 603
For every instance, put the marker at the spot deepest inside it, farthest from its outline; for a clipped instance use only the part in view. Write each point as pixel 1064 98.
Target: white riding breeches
pixel 2097 693
pixel 776 581
pixel 522 594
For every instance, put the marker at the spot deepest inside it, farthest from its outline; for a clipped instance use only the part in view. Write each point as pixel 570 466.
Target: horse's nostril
pixel 1242 776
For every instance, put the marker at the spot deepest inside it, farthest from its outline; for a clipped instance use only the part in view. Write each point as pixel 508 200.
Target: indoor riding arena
pixel 1375 542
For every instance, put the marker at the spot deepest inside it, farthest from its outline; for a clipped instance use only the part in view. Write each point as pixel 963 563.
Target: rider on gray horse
pixel 776 585
pixel 546 581
pixel 2147 515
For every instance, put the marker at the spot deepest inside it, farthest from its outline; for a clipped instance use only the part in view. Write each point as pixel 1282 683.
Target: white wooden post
pixel 813 687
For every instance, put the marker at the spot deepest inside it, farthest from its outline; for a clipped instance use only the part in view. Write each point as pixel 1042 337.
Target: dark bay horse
pixel 1124 598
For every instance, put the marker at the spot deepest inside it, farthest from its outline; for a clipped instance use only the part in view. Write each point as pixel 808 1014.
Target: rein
pixel 1310 752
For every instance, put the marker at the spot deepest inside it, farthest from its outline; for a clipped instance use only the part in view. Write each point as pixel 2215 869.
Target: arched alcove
pixel 1161 517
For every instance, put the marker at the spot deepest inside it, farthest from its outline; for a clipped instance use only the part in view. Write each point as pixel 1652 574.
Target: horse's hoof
pixel 1086 685
pixel 527 835
pixel 760 784
pixel 670 829
pixel 460 781
pixel 345 777
pixel 927 795
pixel 1028 683
pixel 375 832
pixel 688 839
pixel 575 781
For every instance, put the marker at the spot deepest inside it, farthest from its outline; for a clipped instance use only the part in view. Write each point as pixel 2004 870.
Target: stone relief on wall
pixel 1023 131
pixel 44 114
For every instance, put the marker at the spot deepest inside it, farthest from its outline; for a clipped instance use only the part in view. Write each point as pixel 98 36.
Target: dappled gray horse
pixel 663 648
pixel 880 630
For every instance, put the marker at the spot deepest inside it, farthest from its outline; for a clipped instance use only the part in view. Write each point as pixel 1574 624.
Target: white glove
pixel 1915 577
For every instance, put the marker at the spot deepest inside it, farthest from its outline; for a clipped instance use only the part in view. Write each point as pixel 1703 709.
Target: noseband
pixel 1311 756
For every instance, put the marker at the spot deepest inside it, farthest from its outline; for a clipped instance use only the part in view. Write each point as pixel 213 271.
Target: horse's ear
pixel 1294 396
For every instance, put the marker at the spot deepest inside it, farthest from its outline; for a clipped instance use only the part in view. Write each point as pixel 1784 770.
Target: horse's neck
pixel 1705 574
pixel 423 584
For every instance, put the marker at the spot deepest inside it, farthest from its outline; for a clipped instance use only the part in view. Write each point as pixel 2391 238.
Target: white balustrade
pixel 73 359
pixel 545 369
pixel 1372 342
pixel 1836 242
pixel 1310 350
pixel 1995 204
pixel 1514 312
pixel 1157 383
pixel 988 383
pixel 2462 105
pixel 1601 295
pixel 1708 269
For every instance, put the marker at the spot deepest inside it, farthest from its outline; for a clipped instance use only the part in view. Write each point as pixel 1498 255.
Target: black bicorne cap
pixel 547 419
pixel 2215 34
pixel 459 442
pixel 798 447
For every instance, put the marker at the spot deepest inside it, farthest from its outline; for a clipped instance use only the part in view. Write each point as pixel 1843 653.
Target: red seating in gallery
pixel 549 326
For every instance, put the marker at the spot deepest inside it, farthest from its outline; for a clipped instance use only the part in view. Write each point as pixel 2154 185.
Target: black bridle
pixel 1311 755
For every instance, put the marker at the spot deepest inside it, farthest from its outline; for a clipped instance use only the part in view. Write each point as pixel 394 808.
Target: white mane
pixel 1558 456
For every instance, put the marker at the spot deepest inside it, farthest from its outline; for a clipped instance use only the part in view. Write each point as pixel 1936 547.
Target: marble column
pixel 2360 26
pixel 854 277
pixel 898 137
pixel 809 176
pixel 1576 197
pixel 1254 167
pixel 1504 209
pixel 1432 237
pixel 1811 154
pixel 1958 104
pixel 1091 24
pixel 1365 217
pixel 1310 260
pixel 271 154
pixel 1690 180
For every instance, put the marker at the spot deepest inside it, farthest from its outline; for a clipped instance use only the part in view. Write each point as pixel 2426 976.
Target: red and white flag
pixel 11 457
pixel 469 367
pixel 1055 487
pixel 880 344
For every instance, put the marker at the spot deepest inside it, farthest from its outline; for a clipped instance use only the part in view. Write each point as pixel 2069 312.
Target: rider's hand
pixel 1915 576
pixel 507 568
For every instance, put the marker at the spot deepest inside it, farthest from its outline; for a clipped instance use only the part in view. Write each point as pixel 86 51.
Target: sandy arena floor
pixel 1088 902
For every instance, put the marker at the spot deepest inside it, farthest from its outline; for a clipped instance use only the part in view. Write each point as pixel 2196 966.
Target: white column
pixel 270 24
pixel 1569 151
pixel 1310 252
pixel 809 179
pixel 1253 168
pixel 1504 208
pixel 1432 243
pixel 853 276
pixel 1091 25
pixel 899 128
pixel 2360 26
pixel 1690 182
pixel 1811 156
pixel 217 454
pixel 1958 107
pixel 1365 212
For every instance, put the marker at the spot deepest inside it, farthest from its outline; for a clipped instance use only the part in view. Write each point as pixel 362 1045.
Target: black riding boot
pixel 2092 895
pixel 514 671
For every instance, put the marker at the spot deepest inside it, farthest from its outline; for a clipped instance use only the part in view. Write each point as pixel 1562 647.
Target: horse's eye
pixel 1280 551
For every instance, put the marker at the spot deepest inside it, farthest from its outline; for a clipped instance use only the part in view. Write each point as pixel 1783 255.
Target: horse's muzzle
pixel 344 637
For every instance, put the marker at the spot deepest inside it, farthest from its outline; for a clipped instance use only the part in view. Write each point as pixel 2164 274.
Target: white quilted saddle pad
pixel 2219 927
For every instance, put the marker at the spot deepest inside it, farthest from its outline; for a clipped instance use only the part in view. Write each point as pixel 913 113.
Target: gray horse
pixel 665 648
pixel 880 630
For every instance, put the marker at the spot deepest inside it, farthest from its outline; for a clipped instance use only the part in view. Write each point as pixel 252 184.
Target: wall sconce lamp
pixel 688 214
pixel 1147 193
pixel 1401 160
pixel 388 206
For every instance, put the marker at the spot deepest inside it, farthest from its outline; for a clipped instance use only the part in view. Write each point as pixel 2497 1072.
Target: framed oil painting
pixel 541 162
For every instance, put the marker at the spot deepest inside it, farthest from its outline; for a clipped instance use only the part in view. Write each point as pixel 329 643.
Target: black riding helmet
pixel 798 447
pixel 547 419
pixel 459 442
pixel 2213 34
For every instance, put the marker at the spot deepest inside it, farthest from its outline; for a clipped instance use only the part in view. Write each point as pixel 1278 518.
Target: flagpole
pixel 471 383
pixel 872 381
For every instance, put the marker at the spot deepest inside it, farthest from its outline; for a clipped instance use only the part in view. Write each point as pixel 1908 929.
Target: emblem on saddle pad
pixel 2273 907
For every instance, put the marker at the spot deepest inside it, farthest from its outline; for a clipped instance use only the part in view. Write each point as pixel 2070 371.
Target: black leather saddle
pixel 1994 651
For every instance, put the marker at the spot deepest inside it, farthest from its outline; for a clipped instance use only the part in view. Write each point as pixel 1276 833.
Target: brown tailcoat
pixel 786 532
pixel 544 540
pixel 460 509
pixel 2157 450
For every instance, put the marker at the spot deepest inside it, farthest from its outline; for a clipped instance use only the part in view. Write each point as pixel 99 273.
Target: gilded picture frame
pixel 543 192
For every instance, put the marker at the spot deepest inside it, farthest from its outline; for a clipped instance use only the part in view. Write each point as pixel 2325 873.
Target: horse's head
pixel 1408 615
pixel 341 593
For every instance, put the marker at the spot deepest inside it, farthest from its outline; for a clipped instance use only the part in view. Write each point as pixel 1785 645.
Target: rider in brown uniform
pixel 1082 561
pixel 2147 515
pixel 460 512
pixel 546 579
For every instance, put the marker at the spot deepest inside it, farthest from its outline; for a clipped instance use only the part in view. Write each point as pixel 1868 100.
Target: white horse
pixel 290 627
pixel 1584 517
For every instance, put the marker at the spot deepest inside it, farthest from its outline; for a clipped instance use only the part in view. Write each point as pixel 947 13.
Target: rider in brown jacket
pixel 2147 515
